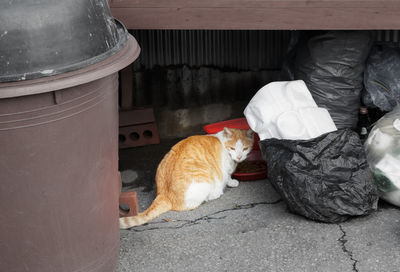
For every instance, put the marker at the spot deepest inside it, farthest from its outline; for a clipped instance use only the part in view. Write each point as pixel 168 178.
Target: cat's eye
pixel 245 148
pixel 231 148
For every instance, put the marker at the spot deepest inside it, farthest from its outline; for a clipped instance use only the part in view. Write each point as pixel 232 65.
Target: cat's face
pixel 238 142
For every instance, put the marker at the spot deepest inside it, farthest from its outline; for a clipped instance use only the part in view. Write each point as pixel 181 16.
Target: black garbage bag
pixel 289 60
pixel 332 63
pixel 381 78
pixel 325 179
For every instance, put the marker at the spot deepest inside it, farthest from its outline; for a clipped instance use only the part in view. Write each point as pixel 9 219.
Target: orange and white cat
pixel 195 170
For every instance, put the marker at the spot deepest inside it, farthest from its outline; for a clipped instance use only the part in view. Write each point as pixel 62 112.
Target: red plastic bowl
pixel 240 123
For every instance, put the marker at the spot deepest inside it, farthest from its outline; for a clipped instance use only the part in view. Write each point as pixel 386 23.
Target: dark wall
pixel 195 77
pixel 181 68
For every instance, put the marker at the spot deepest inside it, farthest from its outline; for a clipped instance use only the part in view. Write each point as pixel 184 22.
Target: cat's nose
pixel 239 157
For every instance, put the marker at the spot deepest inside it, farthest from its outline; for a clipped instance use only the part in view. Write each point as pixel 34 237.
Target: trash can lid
pixel 98 70
pixel 41 38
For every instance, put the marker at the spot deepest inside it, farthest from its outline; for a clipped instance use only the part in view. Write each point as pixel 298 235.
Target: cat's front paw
pixel 233 183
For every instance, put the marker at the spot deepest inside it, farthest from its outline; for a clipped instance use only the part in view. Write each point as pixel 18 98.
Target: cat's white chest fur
pixel 228 165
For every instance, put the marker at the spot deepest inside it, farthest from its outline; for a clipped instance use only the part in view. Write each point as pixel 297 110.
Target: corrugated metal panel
pixel 185 87
pixel 387 36
pixel 185 68
pixel 226 49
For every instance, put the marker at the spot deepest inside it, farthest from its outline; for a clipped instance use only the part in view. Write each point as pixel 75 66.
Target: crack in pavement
pixel 207 218
pixel 342 240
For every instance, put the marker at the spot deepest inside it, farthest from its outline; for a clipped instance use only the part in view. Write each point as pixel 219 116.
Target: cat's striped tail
pixel 160 205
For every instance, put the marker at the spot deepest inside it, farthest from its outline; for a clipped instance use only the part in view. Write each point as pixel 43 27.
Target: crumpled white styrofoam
pixel 286 110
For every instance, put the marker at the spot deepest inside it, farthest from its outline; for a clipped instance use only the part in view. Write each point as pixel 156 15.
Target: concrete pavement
pixel 250 229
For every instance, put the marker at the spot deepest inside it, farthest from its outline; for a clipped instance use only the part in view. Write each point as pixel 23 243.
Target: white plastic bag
pixel 383 155
pixel 286 110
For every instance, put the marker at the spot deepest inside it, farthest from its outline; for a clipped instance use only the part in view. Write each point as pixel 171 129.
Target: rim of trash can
pixel 50 37
pixel 64 68
pixel 110 65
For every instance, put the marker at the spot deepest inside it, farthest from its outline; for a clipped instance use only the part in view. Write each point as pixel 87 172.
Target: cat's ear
pixel 250 133
pixel 227 132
